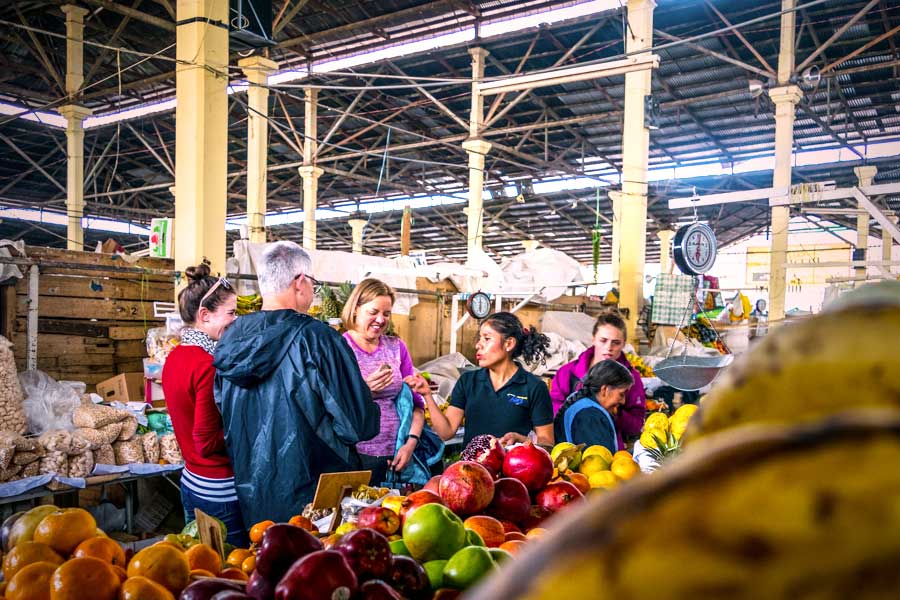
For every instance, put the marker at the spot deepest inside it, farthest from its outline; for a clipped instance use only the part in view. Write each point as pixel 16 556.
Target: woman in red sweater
pixel 207 306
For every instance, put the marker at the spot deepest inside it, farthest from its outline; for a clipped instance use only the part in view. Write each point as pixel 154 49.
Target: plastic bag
pixel 48 403
pixel 159 343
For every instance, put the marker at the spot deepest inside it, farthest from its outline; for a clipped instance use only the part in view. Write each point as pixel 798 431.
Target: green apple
pixel 435 571
pixel 433 532
pixel 467 566
pixel 473 538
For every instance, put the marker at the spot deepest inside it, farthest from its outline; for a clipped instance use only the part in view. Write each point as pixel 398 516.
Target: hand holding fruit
pixel 380 379
pixel 418 384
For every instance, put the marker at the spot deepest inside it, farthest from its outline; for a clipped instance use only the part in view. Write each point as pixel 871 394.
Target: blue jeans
pixel 227 512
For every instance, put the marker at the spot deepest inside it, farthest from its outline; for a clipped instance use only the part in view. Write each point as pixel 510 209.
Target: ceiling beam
pixel 135 14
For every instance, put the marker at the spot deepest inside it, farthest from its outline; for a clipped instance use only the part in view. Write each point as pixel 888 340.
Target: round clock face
pixel 695 248
pixel 479 305
pixel 761 305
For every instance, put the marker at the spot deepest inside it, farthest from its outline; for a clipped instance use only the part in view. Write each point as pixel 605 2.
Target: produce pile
pixel 786 486
pixel 640 366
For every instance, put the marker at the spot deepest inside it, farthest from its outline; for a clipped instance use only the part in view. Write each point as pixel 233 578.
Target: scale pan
pixel 690 373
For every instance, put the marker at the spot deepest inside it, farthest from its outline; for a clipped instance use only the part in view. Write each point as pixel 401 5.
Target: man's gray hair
pixel 281 263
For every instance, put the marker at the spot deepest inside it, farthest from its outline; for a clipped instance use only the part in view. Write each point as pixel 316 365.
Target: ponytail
pixel 531 346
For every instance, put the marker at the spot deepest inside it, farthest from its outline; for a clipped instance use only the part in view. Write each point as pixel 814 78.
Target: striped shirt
pixel 211 490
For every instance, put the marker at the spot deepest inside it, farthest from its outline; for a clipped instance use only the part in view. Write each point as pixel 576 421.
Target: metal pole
pixel 32 323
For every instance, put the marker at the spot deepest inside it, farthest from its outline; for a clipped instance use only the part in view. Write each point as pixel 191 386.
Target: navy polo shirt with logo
pixel 522 404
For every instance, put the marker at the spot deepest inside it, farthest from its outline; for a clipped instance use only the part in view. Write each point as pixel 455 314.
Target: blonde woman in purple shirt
pixel 384 362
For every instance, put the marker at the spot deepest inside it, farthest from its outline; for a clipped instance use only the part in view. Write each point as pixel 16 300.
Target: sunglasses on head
pixel 221 282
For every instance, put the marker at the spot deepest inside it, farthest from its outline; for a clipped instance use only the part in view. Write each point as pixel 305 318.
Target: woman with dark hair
pixel 207 306
pixel 608 342
pixel 587 416
pixel 501 398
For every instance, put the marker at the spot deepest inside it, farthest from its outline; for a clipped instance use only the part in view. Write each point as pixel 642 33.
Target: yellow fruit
pixel 163 564
pixel 64 529
pixel 573 455
pixel 684 413
pixel 31 583
pixel 86 578
pixel 141 588
pixel 597 451
pixel 345 528
pixel 593 464
pixel 603 480
pixel 27 553
pixel 658 420
pixel 651 439
pixel 622 454
pixel 203 557
pixel 624 468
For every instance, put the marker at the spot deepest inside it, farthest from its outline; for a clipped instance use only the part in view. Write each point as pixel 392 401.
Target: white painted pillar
pixel 357 226
pixel 530 245
pixel 615 197
pixel 257 70
pixel 635 156
pixel 785 98
pixel 477 149
pixel 665 249
pixel 309 171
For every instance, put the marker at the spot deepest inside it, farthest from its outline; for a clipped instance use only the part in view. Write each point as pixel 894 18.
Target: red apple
pixel 367 552
pixel 383 520
pixel 536 515
pixel 260 588
pixel 321 574
pixel 281 545
pixel 433 484
pixel 446 594
pixel 409 578
pixel 529 464
pixel 467 487
pixel 378 590
pixel 415 500
pixel 486 450
pixel 511 500
pixel 557 495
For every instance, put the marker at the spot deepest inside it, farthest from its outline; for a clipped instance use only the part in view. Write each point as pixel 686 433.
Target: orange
pixel 257 531
pixel 64 529
pixel 120 572
pixel 237 556
pixel 201 573
pixel 141 588
pixel 513 546
pixel 580 481
pixel 514 535
pixel 233 573
pixel 489 528
pixel 32 582
pixel 249 564
pixel 163 564
pixel 104 548
pixel 622 454
pixel 303 522
pixel 203 557
pixel 85 578
pixel 624 468
pixel 535 532
pixel 25 554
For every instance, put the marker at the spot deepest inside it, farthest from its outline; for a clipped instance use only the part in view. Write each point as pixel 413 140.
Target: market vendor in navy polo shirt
pixel 501 398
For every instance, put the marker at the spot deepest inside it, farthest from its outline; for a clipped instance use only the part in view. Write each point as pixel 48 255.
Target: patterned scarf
pixel 195 337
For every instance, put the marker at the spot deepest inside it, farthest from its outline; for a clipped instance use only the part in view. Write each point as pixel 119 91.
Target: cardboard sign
pixel 334 487
pixel 210 532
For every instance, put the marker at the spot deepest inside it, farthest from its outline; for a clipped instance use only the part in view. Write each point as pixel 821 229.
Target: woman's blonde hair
pixel 364 292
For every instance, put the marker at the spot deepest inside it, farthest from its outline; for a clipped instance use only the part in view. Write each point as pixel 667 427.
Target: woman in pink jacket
pixel 609 340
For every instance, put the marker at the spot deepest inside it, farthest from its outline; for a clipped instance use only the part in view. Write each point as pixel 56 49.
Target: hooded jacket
pixel 631 416
pixel 293 404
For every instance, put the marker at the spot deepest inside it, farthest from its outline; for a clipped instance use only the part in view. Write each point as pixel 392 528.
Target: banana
pixel 809 370
pixel 798 511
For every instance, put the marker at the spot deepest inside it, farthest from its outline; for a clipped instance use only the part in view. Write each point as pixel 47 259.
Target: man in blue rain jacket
pixel 293 401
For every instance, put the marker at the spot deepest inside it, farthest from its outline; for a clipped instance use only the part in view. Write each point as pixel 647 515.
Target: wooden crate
pixel 91 321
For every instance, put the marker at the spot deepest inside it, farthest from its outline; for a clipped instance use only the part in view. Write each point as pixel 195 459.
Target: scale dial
pixel 479 305
pixel 695 249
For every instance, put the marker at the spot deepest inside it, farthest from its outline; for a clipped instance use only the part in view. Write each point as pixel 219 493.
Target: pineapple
pixel 331 306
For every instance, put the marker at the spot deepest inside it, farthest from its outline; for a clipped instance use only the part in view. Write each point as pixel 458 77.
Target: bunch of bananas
pixel 248 304
pixel 784 488
pixel 638 363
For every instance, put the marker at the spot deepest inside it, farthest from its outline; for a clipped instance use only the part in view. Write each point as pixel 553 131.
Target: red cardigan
pixel 187 381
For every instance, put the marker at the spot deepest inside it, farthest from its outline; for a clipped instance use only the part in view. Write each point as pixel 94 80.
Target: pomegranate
pixel 486 450
pixel 433 485
pixel 511 501
pixel 415 500
pixel 467 487
pixel 529 464
pixel 556 495
pixel 537 514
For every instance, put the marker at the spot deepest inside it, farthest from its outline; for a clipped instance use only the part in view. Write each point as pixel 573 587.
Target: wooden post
pixel 405 231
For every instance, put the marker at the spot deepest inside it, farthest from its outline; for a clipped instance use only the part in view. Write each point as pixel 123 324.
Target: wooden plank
pixel 7 310
pixel 119 333
pixel 110 274
pixel 129 366
pixel 52 345
pixel 88 285
pixel 94 258
pixel 90 308
pixel 131 349
pixel 65 327
pixel 86 360
pixel 92 378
